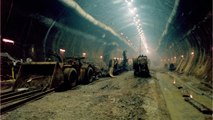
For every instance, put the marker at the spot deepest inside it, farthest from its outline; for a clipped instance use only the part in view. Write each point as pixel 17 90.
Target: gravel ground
pixel 121 98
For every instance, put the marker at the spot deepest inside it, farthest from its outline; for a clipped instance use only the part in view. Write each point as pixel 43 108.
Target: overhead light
pixel 8 41
pixel 62 50
pixel 132 10
pixel 139 28
pixel 84 54
pixel 129 1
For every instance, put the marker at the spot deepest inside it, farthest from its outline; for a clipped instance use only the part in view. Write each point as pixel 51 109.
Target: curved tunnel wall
pixel 38 26
pixel 192 53
pixel 198 59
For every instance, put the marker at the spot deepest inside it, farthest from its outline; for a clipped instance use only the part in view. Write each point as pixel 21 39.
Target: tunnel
pixel 175 35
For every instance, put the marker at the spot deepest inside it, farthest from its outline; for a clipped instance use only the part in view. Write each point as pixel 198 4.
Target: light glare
pixel 62 50
pixel 8 41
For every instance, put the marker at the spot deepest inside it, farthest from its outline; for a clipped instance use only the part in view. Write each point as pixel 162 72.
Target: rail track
pixel 184 89
pixel 13 99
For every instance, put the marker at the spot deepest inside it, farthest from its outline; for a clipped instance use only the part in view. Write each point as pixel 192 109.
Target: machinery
pixel 9 66
pixel 114 68
pixel 140 66
pixel 51 74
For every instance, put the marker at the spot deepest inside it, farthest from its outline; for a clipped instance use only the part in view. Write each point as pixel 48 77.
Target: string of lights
pixel 137 22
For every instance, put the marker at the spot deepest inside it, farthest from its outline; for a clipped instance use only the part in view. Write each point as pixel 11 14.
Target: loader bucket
pixel 39 75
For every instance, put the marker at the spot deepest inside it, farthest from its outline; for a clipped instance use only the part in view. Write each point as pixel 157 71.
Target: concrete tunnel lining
pixel 177 34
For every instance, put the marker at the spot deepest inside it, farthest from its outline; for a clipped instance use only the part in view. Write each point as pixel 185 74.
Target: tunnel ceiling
pixel 158 19
pixel 153 15
pixel 149 24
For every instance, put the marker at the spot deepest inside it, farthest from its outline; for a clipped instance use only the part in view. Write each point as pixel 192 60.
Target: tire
pixel 88 78
pixel 71 77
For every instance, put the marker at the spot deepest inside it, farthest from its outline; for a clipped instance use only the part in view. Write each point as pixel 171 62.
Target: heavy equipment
pixel 114 68
pixel 140 66
pixel 36 79
pixel 51 74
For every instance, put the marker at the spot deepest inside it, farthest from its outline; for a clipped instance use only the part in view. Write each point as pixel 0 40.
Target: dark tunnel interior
pixel 167 31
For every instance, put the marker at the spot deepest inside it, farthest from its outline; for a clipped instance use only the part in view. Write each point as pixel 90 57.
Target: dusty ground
pixel 122 98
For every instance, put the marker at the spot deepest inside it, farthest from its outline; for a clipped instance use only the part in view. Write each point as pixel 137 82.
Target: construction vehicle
pixel 140 66
pixel 51 74
pixel 36 79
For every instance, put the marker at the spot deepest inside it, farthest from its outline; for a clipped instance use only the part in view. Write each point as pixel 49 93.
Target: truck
pixel 140 66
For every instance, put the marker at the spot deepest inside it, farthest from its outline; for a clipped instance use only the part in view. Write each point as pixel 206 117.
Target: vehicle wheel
pixel 70 77
pixel 89 75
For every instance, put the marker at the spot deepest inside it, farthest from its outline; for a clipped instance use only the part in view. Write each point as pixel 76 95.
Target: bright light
pixel 182 56
pixel 191 96
pixel 101 57
pixel 174 82
pixel 62 50
pixel 192 53
pixel 129 1
pixel 139 20
pixel 8 41
pixel 132 10
pixel 84 54
pixel 175 57
pixel 139 28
